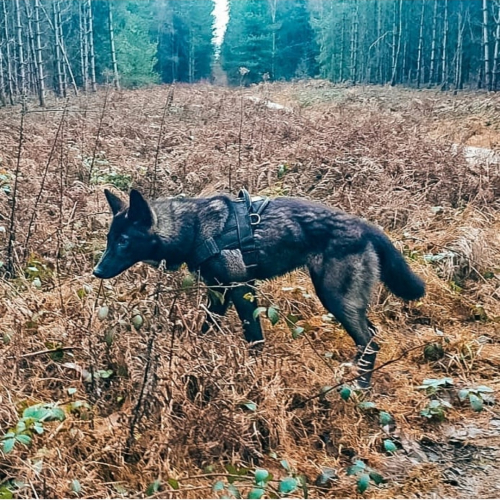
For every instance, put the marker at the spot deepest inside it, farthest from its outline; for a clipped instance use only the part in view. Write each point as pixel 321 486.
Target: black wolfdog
pixel 345 255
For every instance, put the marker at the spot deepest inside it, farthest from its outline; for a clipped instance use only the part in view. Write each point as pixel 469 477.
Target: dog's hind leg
pixel 218 303
pixel 252 329
pixel 344 287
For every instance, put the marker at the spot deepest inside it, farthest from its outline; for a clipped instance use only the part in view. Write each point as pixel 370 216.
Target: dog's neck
pixel 173 233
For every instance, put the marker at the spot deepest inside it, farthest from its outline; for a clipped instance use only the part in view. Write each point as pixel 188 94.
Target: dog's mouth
pixel 102 274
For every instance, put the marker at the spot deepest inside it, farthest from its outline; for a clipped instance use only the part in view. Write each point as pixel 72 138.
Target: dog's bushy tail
pixel 395 272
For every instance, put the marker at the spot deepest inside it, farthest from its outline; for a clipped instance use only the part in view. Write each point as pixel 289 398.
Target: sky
pixel 221 18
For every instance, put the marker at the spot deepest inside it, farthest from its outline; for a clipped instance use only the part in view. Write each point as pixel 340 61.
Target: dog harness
pixel 237 233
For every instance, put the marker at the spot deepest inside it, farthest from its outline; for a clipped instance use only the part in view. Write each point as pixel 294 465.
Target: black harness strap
pixel 238 232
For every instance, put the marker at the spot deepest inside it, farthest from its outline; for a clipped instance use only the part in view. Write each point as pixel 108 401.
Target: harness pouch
pixel 237 233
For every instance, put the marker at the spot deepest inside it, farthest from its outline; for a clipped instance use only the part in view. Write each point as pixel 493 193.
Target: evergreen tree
pixel 248 42
pixel 296 46
pixel 185 49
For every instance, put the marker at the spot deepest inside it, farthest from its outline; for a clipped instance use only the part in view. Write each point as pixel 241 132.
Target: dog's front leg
pixel 246 304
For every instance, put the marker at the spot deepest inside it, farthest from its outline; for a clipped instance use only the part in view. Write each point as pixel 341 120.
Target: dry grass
pixel 175 402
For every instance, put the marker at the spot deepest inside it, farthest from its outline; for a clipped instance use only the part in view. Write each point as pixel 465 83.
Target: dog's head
pixel 130 238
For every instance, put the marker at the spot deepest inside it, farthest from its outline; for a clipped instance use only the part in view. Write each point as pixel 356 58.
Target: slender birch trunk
pixel 420 45
pixel 20 50
pixel 39 56
pixel 444 55
pixel 3 98
pixel 433 69
pixel 57 53
pixel 112 45
pixel 91 46
pixel 11 83
pixel 496 51
pixel 397 44
pixel 486 46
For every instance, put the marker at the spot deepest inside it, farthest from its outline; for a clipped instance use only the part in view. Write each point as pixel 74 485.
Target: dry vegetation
pixel 165 403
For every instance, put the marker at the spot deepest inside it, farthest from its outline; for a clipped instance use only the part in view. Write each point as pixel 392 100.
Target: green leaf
pixel 297 332
pixel 345 393
pixel 359 466
pixel 476 402
pixel 288 485
pixel 218 486
pixel 71 391
pixel 367 405
pixel 273 315
pixel 327 474
pixel 462 394
pixel 249 405
pixel 256 493
pixel 385 418
pixel 376 477
pixel 389 446
pixel 234 491
pixel 363 482
pixel 5 493
pixel 285 465
pixel 261 476
pixel 153 488
pixel 8 444
pixel 24 439
pixel 75 485
pixel 258 312
pixel 173 483
pixel 483 388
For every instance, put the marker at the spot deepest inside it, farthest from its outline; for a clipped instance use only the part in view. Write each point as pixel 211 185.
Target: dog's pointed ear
pixel 116 204
pixel 139 209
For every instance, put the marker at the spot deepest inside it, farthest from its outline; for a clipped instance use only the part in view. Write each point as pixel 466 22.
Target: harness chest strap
pixel 238 232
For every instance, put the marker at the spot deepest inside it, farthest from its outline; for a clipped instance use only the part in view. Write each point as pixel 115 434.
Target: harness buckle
pixel 254 219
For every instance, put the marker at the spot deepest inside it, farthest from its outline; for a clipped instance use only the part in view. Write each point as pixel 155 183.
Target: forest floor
pixel 162 411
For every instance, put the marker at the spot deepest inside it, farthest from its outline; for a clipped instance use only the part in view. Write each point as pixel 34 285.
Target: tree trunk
pixel 91 46
pixel 66 66
pixel 83 45
pixel 342 48
pixel 486 46
pixel 273 6
pixel 444 56
pixel 112 45
pixel 60 90
pixel 496 51
pixel 396 40
pixel 11 84
pixel 459 53
pixel 3 99
pixel 420 45
pixel 354 44
pixel 20 50
pixel 432 73
pixel 39 59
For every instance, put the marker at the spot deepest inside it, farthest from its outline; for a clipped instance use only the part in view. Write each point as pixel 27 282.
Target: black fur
pixel 345 255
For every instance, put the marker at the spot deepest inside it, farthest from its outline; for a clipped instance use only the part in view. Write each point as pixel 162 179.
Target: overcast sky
pixel 221 17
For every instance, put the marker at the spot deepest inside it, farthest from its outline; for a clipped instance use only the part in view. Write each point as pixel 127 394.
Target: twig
pixel 42 184
pixel 98 135
pixel 48 351
pixel 168 104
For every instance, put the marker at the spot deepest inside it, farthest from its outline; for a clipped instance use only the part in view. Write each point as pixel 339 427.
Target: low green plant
pixel 364 475
pixel 477 396
pixel 31 422
pixel 258 483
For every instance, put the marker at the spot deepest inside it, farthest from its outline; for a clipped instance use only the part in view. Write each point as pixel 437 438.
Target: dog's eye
pixel 122 240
